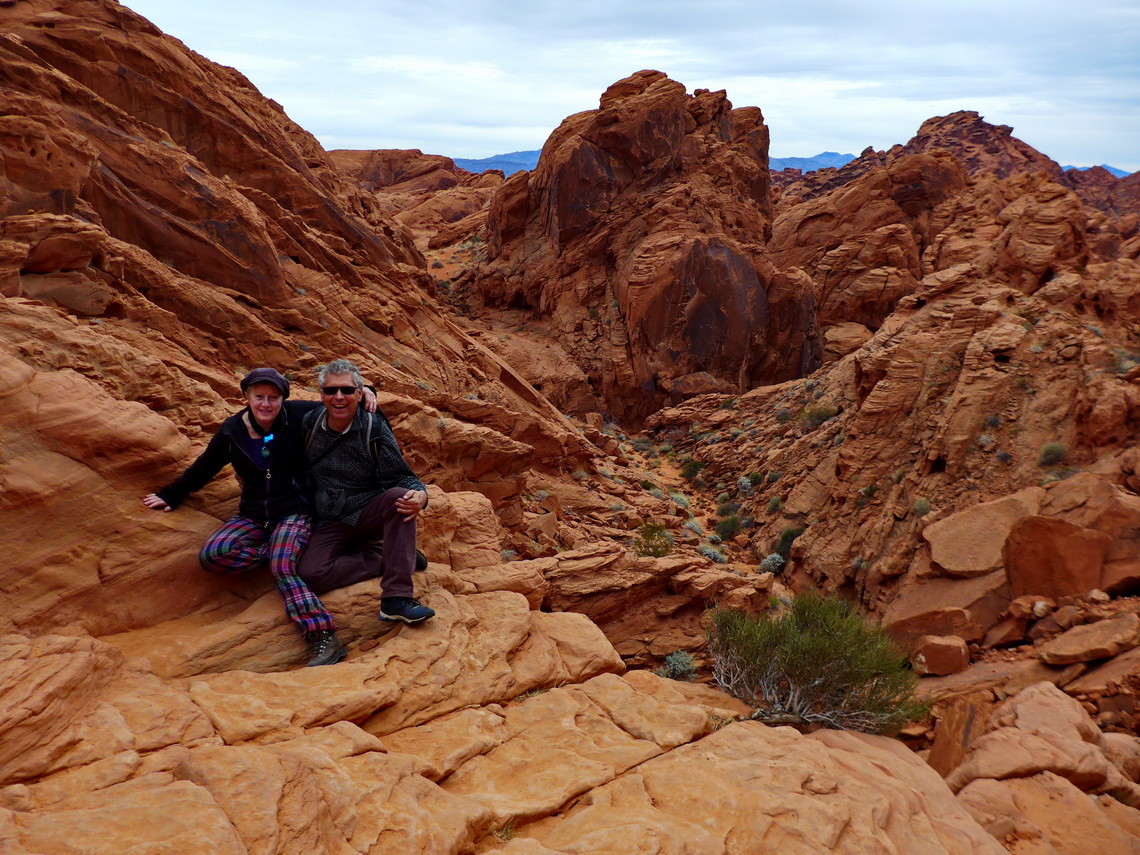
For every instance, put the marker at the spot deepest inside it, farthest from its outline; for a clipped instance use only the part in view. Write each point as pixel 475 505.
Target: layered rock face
pixel 638 240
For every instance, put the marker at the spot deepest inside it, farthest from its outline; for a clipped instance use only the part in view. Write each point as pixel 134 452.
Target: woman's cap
pixel 266 375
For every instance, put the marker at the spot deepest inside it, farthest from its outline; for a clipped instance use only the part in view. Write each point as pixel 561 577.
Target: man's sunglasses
pixel 332 390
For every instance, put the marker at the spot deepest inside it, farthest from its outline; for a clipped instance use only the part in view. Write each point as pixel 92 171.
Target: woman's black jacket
pixel 269 494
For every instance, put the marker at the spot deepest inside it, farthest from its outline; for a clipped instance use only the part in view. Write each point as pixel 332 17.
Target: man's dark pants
pixel 339 554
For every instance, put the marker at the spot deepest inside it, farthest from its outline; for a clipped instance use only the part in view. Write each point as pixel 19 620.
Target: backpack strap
pixel 318 423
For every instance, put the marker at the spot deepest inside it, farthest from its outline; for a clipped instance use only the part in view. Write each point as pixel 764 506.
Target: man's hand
pixel 156 504
pixel 368 399
pixel 411 503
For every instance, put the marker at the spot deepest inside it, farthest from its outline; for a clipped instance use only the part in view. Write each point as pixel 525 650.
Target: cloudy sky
pixel 476 78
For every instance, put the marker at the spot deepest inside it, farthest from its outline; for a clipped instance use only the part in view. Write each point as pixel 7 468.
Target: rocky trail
pixel 910 382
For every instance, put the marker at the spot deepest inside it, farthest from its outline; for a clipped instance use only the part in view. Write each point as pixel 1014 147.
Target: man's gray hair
pixel 340 366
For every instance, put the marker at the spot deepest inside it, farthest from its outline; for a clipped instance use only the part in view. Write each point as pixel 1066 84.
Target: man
pixel 364 491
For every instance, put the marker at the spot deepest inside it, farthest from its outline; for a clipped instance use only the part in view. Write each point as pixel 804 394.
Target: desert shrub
pixel 643 444
pixel 691 468
pixel 508 554
pixel 1004 457
pixel 744 486
pixel 653 540
pixel 657 493
pixel 728 403
pixel 713 554
pixel 921 507
pixel 816 661
pixel 680 499
pixel 783 544
pixel 993 421
pixel 755 478
pixel 772 563
pixel 775 504
pixel 679 665
pixel 725 509
pixel 729 527
pixel 694 526
pixel 1052 453
pixel 722 497
pixel 986 440
pixel 815 415
pixel 783 414
pixel 648 485
pixel 665 448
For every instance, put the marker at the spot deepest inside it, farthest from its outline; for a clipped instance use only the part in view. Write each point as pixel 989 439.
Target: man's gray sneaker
pixel 324 648
pixel 405 609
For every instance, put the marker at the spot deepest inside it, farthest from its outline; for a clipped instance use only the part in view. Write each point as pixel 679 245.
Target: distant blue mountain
pixel 1119 173
pixel 516 161
pixel 810 164
pixel 511 163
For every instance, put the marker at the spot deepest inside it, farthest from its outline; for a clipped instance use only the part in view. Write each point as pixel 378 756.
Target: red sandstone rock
pixel 939 655
pixel 694 291
pixel 1101 640
pixel 1053 558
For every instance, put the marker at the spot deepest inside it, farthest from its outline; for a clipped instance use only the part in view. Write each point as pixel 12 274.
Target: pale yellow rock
pixel 480 649
pixel 522 577
pixel 399 811
pixel 1048 807
pixel 244 706
pixel 48 685
pixel 461 530
pixel 131 817
pixel 156 713
pixel 1039 729
pixel 841 792
pixel 451 740
pixel 581 745
pixel 280 799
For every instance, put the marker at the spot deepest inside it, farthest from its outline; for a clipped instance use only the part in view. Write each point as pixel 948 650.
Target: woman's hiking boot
pixel 324 648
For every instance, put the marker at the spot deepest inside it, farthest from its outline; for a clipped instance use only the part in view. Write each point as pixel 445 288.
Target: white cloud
pixel 482 77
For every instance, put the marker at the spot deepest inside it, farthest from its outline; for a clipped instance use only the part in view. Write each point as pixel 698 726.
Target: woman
pixel 265 445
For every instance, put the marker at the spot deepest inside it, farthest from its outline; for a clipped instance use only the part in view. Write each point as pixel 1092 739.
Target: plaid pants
pixel 242 544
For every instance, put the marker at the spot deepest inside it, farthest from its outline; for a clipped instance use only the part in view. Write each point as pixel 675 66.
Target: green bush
pixel 783 544
pixel 679 665
pixel 921 507
pixel 653 540
pixel 1052 453
pixel 775 504
pixel 816 662
pixel 815 415
pixel 725 509
pixel 755 478
pixel 681 500
pixel 690 469
pixel 728 528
